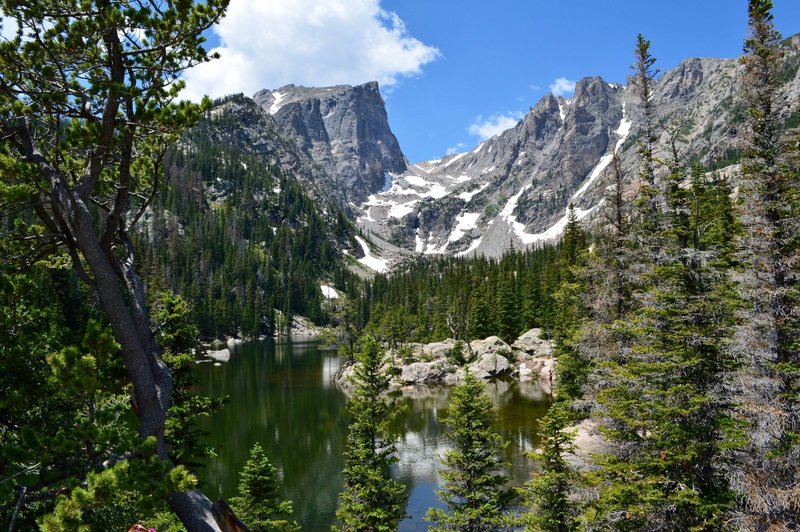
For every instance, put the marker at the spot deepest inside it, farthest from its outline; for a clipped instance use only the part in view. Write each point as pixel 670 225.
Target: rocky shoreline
pixel 529 358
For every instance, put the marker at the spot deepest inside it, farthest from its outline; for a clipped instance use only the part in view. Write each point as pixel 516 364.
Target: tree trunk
pixel 121 295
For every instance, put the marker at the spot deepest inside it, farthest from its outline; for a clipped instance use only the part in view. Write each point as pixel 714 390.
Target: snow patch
pixel 431 249
pixel 369 260
pixel 465 221
pixel 276 103
pixel 561 112
pixel 472 247
pixel 623 130
pixel 467 196
pixel 402 209
pixel 419 244
pixel 454 159
pixel 329 292
pixel 387 181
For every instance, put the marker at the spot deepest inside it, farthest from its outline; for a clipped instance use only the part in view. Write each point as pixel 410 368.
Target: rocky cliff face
pixel 515 188
pixel 511 188
pixel 342 129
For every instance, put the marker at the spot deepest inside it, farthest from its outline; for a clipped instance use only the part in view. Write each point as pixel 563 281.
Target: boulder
pixel 532 343
pixel 223 355
pixel 490 345
pixel 421 372
pixel 438 350
pixel 490 365
pixel 525 373
pixel 232 342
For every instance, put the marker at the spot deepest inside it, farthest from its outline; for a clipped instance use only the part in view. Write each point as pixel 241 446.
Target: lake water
pixel 282 397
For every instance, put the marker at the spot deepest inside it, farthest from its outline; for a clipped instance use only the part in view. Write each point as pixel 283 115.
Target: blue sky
pixel 453 71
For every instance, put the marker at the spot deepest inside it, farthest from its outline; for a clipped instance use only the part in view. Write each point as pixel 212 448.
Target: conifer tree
pixel 643 83
pixel 664 405
pixel 371 500
pixel 259 503
pixel 549 492
pixel 768 336
pixel 473 481
pixel 572 368
pixel 88 106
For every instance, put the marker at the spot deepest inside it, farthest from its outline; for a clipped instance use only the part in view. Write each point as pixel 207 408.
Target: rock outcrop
pixel 516 186
pixel 491 358
pixel 343 129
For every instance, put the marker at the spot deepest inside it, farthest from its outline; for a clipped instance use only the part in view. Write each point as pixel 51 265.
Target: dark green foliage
pixel 663 401
pixel 573 369
pixel 259 503
pixel 241 240
pixel 456 298
pixel 548 493
pixel 66 418
pixel 178 336
pixel 371 500
pixel 474 481
pixel 769 328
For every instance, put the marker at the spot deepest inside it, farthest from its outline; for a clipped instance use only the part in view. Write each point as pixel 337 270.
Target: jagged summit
pixel 510 188
pixel 513 188
pixel 343 129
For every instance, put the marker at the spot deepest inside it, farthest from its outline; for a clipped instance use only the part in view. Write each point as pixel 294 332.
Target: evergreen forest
pixel 129 237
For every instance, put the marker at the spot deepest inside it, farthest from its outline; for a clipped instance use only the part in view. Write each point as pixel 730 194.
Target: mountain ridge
pixel 512 189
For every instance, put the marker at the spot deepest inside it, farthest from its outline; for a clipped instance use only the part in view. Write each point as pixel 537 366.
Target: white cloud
pixel 455 149
pixel 271 43
pixel 562 87
pixel 497 123
pixel 535 88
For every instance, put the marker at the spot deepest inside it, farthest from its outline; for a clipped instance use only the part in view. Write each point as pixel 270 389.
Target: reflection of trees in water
pixel 279 398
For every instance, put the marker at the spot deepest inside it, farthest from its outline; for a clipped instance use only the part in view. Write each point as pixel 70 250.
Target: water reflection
pixel 281 396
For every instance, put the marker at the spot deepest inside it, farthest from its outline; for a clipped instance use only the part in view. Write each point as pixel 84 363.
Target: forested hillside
pixel 239 239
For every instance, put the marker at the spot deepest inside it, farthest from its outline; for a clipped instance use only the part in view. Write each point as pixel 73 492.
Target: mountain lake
pixel 281 395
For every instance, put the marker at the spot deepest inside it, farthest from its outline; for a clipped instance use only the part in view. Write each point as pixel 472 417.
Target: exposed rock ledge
pixel 528 358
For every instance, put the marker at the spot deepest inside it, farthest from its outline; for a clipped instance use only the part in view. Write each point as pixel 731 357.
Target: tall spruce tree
pixel 371 500
pixel 662 396
pixel 474 480
pixel 551 508
pixel 665 407
pixel 768 337
pixel 572 369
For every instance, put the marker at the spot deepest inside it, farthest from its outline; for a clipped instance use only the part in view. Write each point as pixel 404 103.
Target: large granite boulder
pixel 422 372
pixel 533 344
pixel 491 365
pixel 222 355
pixel 490 345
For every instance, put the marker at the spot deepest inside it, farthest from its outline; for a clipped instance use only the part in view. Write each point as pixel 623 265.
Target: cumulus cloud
pixel 497 123
pixel 271 43
pixel 452 150
pixel 562 87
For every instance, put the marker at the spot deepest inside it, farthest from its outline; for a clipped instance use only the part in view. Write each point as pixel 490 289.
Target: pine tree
pixel 259 503
pixel 473 481
pixel 371 501
pixel 548 493
pixel 768 336
pixel 665 403
pixel 572 369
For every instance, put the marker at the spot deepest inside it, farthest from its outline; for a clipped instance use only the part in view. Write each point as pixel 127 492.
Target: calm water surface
pixel 281 396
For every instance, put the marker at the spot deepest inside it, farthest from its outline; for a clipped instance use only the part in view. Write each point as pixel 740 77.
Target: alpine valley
pixel 512 190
